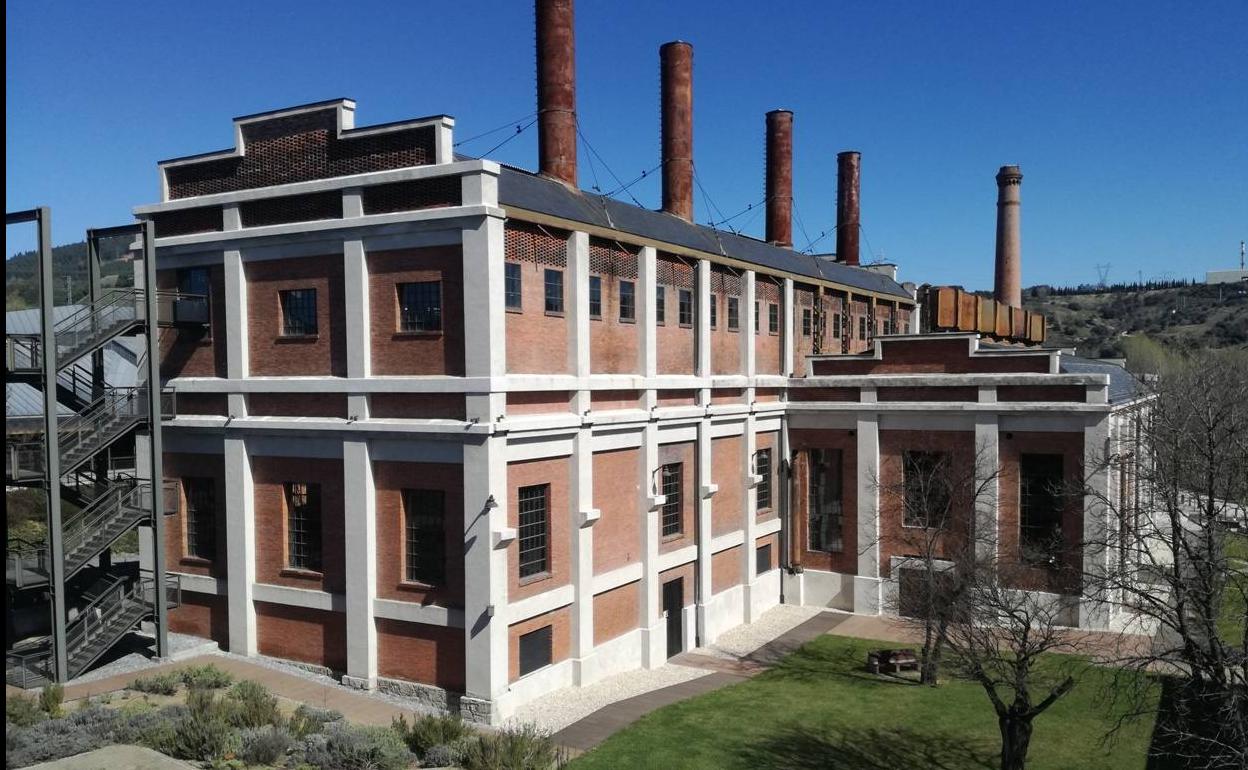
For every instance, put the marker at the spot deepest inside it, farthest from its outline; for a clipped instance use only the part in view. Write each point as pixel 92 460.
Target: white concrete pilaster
pixel 360 542
pixel 485 594
pixel 987 481
pixel 484 314
pixel 236 342
pixel 240 546
pixel 786 329
pixel 1094 610
pixel 867 599
pixel 581 527
pixel 705 491
pixel 647 349
pixel 577 281
pixel 653 630
pixel 355 296
pixel 749 567
pixel 746 319
pixel 702 322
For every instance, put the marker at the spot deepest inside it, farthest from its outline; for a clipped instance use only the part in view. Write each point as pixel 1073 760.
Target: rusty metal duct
pixel 1008 288
pixel 556 90
pixel 676 71
pixel 848 214
pixel 780 178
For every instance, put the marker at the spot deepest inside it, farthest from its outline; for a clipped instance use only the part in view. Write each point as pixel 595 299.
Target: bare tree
pixel 1163 563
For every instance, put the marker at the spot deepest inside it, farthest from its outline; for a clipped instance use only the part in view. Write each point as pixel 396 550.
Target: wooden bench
pixel 892 661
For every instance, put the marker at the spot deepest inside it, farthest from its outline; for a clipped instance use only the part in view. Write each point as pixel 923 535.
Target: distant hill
pixel 1099 321
pixel 21 280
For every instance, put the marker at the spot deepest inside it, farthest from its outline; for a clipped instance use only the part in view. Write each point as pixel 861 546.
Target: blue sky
pixel 1129 119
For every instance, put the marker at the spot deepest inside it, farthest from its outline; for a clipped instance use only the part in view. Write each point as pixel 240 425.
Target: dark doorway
pixel 673 606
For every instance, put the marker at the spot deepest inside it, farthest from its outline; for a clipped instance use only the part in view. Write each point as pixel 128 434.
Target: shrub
pixel 448 754
pixel 23 710
pixel 51 700
pixel 208 676
pixel 308 720
pixel 202 732
pixel 52 739
pixel 344 746
pixel 264 745
pixel 251 705
pixel 157 684
pixel 514 748
pixel 427 731
pixel 151 727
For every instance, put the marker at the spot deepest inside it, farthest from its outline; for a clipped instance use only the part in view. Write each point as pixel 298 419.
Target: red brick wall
pixel 270 475
pixel 928 394
pixel 726 569
pixel 770 440
pixel 1065 393
pixel 774 541
pixel 725 343
pixel 418 652
pixel 449 406
pixel 684 453
pixel 727 505
pixel 202 403
pixel 271 354
pixel 416 353
pixel 538 401
pixel 845 560
pixel 613 343
pixel 726 396
pixel 933 356
pixel 560 637
pixel 557 473
pixel 617 535
pixel 768 347
pixel 604 400
pixel 204 615
pixel 298 404
pixel 824 394
pixel 187 352
pixel 297 633
pixel 676 398
pixel 762 395
pixel 177 466
pixel 616 612
pixel 683 571
pixel 390 479
pixel 537 343
pixel 1070 446
pixel 803 345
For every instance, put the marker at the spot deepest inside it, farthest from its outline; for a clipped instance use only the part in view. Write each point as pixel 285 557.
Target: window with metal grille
pixel 512 285
pixel 773 318
pixel 762 466
pixel 298 312
pixel 535 650
pixel 420 306
pixel 628 301
pixel 714 311
pixel 201 518
pixel 1040 479
pixel 424 513
pixel 670 480
pixel 825 519
pixel 660 306
pixel 806 321
pixel 734 314
pixel 554 291
pixel 595 297
pixel 534 529
pixel 303 525
pixel 762 559
pixel 686 307
pixel 928 497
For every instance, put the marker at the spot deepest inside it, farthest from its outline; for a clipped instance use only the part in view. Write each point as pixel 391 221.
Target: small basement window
pixel 535 650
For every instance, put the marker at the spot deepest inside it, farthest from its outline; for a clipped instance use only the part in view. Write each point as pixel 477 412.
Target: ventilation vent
pixel 767 290
pixel 291 208
pixel 671 271
pixel 804 296
pixel 610 258
pixel 437 192
pixel 725 281
pixel 529 243
pixel 206 219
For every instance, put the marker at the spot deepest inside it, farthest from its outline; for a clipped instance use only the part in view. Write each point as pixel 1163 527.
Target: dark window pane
pixel 554 291
pixel 201 518
pixel 806 317
pixel 534 529
pixel 194 280
pixel 595 297
pixel 535 650
pixel 762 559
pixel 628 301
pixel 420 306
pixel 825 518
pixel 734 313
pixel 928 496
pixel 303 512
pixel 714 311
pixel 762 466
pixel 757 327
pixel 298 312
pixel 670 489
pixel 660 305
pixel 686 307
pixel 773 318
pixel 424 512
pixel 512 285
pixel 1041 501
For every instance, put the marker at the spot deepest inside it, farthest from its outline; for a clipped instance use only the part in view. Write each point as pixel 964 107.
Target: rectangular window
pixel 714 311
pixel 628 301
pixel 201 518
pixel 670 489
pixel 298 312
pixel 836 325
pixel 806 321
pixel 420 306
pixel 825 518
pixel 660 306
pixel 303 525
pixel 535 650
pixel 424 513
pixel 554 291
pixel 734 314
pixel 1041 501
pixel 762 559
pixel 757 328
pixel 862 327
pixel 595 297
pixel 773 318
pixel 195 280
pixel 686 307
pixel 534 532
pixel 512 285
pixel 762 467
pixel 928 497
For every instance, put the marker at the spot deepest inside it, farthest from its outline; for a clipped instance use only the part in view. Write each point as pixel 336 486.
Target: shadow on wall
pixel 875 748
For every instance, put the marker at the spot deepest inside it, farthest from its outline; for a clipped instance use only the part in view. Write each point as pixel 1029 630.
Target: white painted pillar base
pixel 360 536
pixel 240 538
pixel 867 597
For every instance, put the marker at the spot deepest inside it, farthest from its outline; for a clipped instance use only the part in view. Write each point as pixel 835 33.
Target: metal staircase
pixel 92 499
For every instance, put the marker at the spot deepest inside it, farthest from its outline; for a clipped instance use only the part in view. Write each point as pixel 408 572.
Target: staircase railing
pixel 110 414
pixel 84 329
pixel 112 614
pixel 122 502
pixel 26 563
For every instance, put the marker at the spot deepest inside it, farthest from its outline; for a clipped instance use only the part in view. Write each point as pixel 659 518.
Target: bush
pixel 427 731
pixel 448 754
pixel 151 727
pixel 352 747
pixel 308 720
pixel 53 739
pixel 202 732
pixel 23 710
pixel 51 699
pixel 251 705
pixel 157 684
pixel 208 676
pixel 514 748
pixel 264 745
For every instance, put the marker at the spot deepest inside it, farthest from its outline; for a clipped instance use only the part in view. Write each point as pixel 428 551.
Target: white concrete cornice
pixel 944 380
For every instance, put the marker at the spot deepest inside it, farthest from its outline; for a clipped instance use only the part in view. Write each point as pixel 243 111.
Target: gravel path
pixel 561 708
pixel 743 640
pixel 140 658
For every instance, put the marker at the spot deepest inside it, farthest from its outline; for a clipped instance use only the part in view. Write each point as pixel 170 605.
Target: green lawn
pixel 818 708
pixel 1234 607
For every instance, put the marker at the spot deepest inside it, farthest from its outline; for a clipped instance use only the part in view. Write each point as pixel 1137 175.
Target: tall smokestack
pixel 1008 288
pixel 676 69
pixel 780 178
pixel 848 215
pixel 556 90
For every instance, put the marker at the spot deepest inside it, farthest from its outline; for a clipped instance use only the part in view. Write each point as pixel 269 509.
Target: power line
pixel 519 130
pixel 605 165
pixel 508 124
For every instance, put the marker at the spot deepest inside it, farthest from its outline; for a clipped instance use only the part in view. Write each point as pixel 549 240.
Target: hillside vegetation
pixel 21 279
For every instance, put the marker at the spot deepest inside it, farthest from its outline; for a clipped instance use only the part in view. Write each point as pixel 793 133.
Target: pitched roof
pixel 1122 384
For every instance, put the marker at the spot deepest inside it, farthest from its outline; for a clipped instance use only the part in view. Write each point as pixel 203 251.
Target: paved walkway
pixel 132 757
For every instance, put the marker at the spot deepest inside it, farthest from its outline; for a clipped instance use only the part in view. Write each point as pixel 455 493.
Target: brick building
pixel 468 433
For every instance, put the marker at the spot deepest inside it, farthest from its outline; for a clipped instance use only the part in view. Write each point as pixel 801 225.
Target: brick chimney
pixel 556 90
pixel 780 178
pixel 676 71
pixel 848 222
pixel 1008 285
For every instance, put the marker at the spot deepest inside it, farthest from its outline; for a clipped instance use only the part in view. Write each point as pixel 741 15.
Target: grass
pixel 1234 607
pixel 818 708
